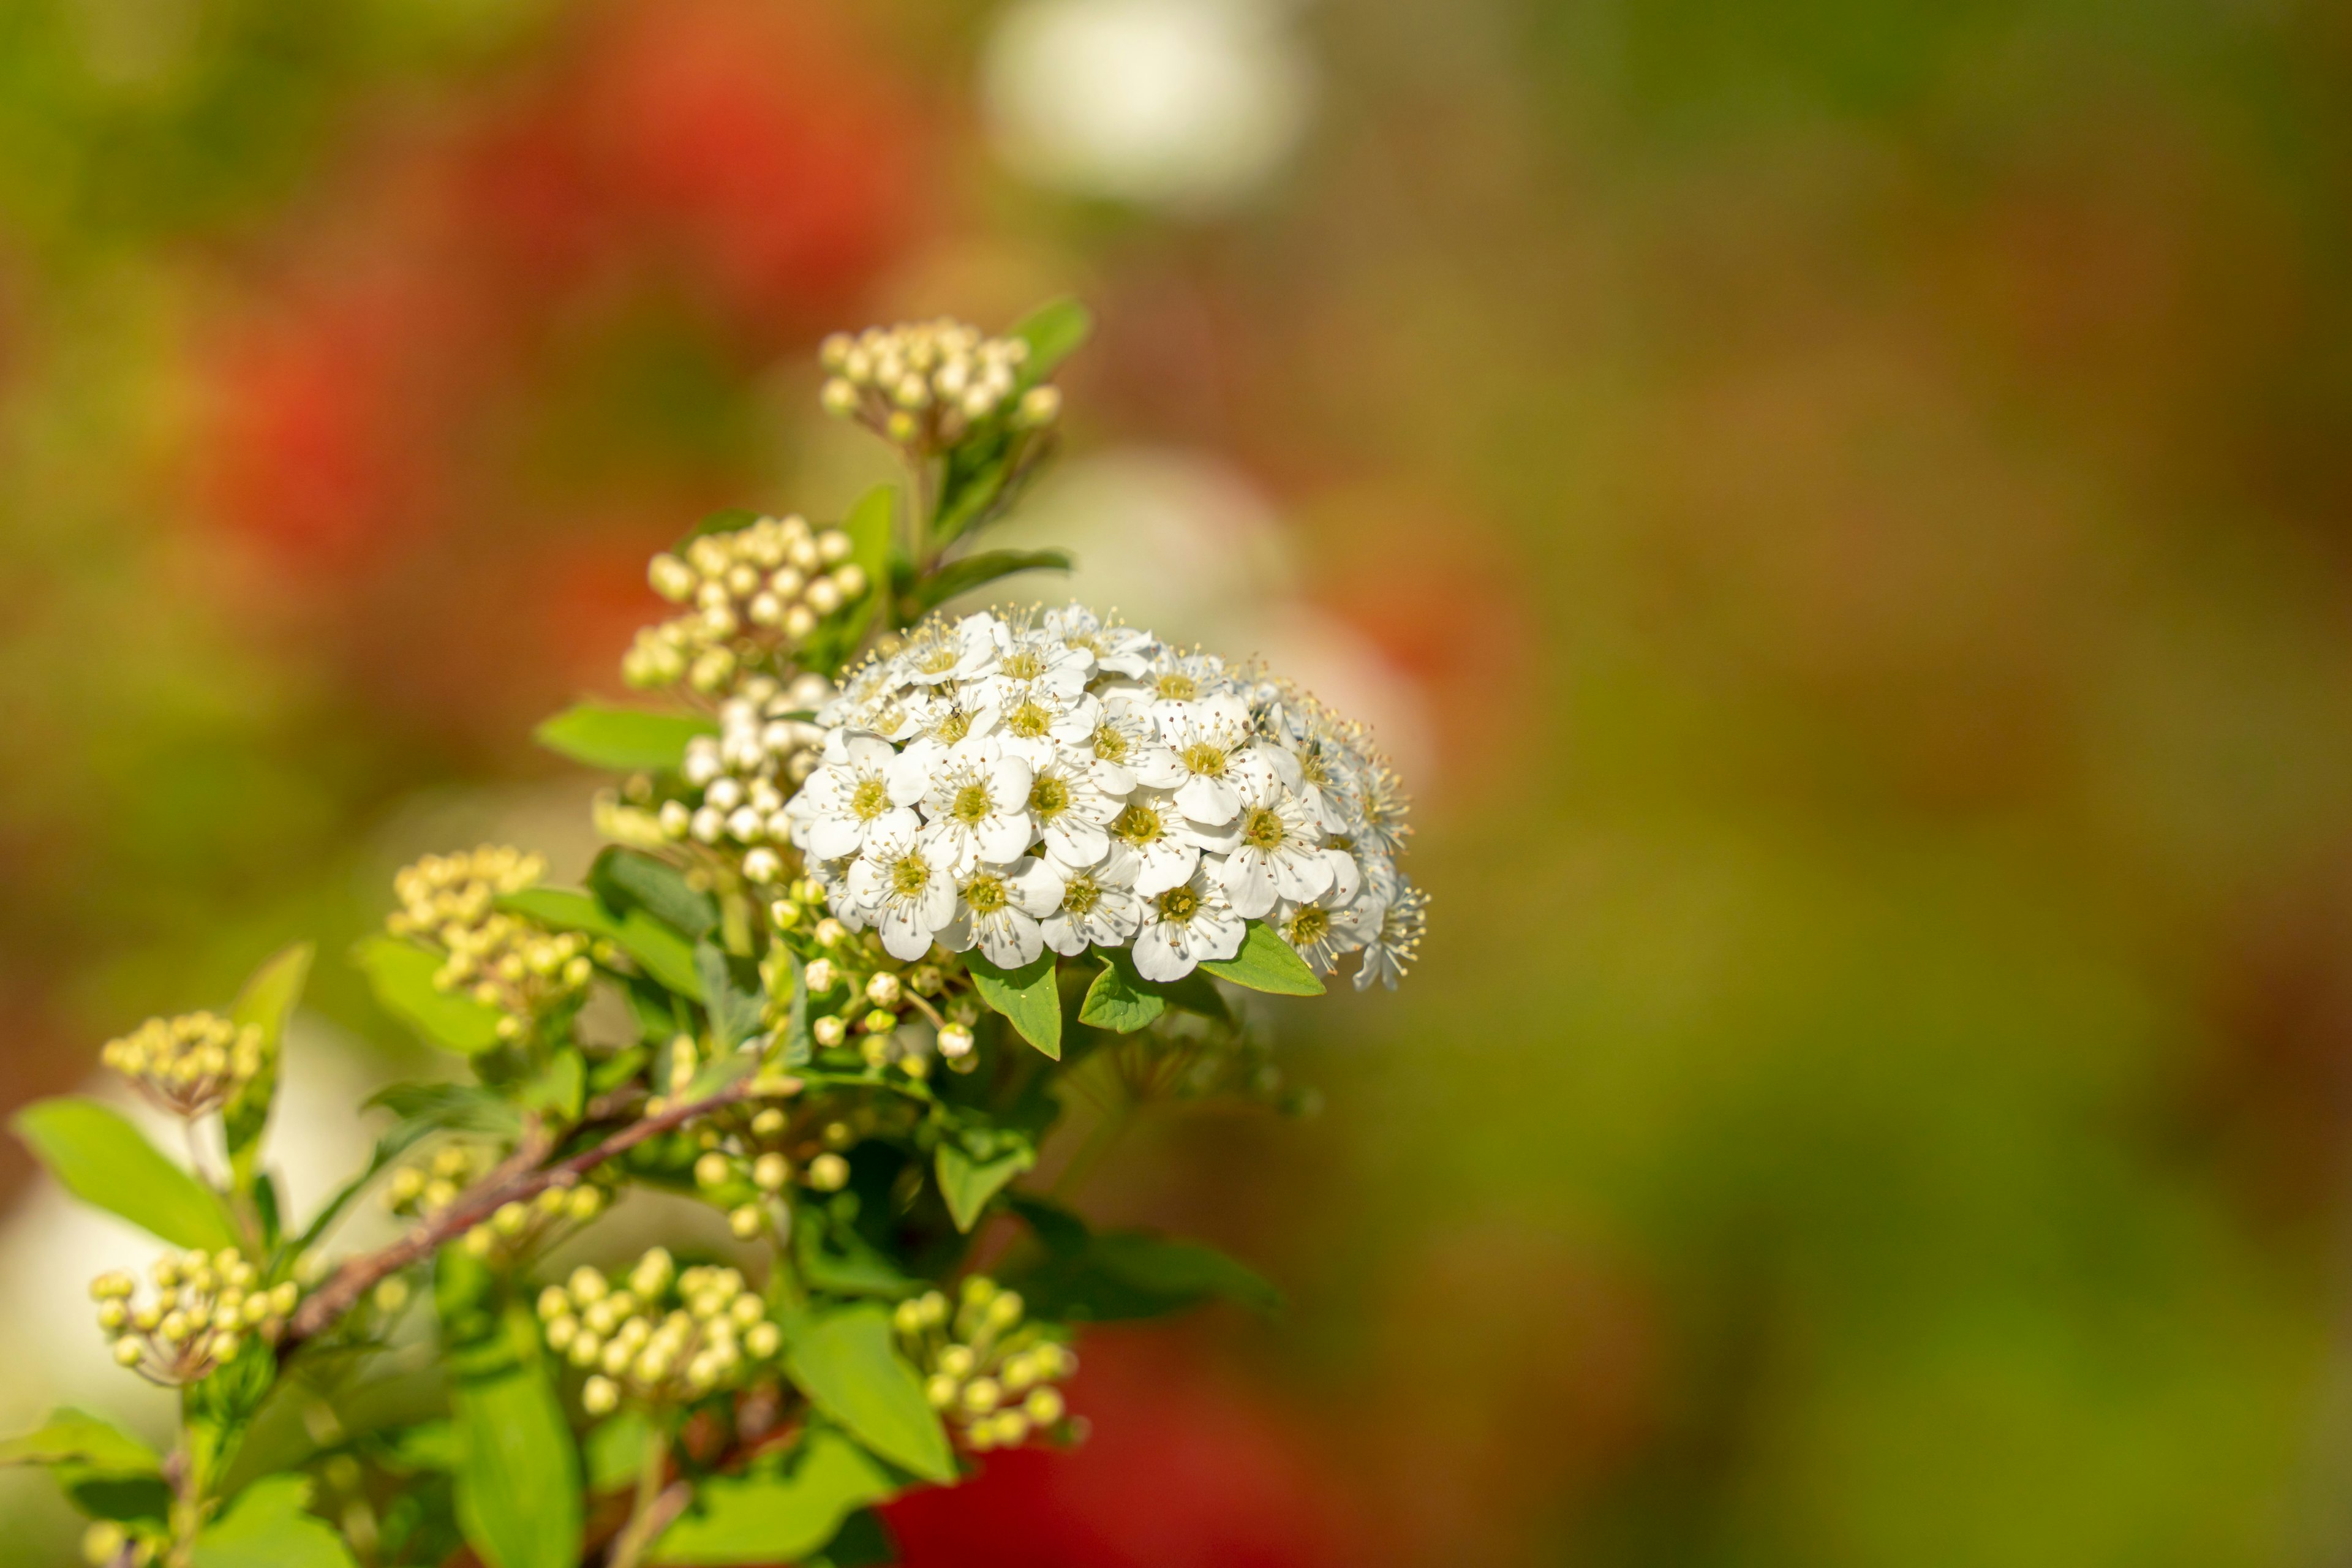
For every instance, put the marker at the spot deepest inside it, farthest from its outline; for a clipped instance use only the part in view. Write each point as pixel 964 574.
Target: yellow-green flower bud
pixel 103 1543
pixel 599 1396
pixel 712 1170
pixel 828 1172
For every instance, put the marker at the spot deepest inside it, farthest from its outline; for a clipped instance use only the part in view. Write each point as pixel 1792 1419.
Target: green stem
pixel 637 1533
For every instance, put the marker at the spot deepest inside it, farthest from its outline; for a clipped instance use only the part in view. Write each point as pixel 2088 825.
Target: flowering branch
pixel 518 1180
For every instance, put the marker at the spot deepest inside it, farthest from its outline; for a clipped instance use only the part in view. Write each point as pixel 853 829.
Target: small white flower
pixel 1112 735
pixel 849 799
pixel 1151 835
pixel 1184 925
pixel 932 724
pixel 1027 713
pixel 1173 679
pixel 1390 948
pixel 1073 814
pixel 996 909
pixel 1277 851
pixel 1323 929
pixel 1032 656
pixel 941 651
pixel 905 887
pixel 1207 759
pixel 977 805
pixel 1121 650
pixel 1098 907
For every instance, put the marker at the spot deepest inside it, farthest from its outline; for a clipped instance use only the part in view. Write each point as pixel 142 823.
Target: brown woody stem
pixel 518 1179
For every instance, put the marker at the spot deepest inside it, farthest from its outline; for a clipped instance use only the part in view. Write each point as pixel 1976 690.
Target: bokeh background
pixel 1843 508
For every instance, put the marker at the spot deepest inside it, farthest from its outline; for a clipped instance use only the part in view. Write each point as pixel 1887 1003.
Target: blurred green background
pixel 1845 510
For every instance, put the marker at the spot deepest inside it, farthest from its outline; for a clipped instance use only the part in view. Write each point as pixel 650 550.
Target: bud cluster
pixel 499 960
pixel 924 385
pixel 759 587
pixel 989 1375
pixel 205 1308
pixel 747 1167
pixel 663 1336
pixel 424 1189
pixel 893 1012
pixel 189 1065
pixel 746 773
pixel 107 1545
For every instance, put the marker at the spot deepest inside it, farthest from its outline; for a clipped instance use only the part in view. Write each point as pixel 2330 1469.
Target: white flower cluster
pixel 749 769
pixel 924 384
pixel 1044 779
pixel 776 577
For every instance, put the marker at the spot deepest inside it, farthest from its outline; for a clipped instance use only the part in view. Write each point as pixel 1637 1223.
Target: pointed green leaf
pixel 977 571
pixel 847 1365
pixel 1115 1275
pixel 778 1513
pixel 735 1012
pixel 622 878
pixel 967 1182
pixel 1054 331
pixel 102 1160
pixel 1266 962
pixel 518 1473
pixel 871 526
pixel 624 740
pixel 266 1003
pixel 1117 1003
pixel 402 977
pixel 77 1437
pixel 1027 996
pixel 269 1525
pixel 660 952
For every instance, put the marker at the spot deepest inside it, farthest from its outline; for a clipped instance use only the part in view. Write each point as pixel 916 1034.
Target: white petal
pixel 1074 841
pixel 1207 800
pixel 1165 866
pixel 830 837
pixel 1159 768
pixel 1158 958
pixel 1004 837
pixel 1247 880
pixel 904 937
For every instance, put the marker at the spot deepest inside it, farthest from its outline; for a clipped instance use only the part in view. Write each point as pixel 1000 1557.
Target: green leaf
pixel 614 1451
pixel 665 956
pixel 1027 996
pixel 266 1003
pixel 269 1525
pixel 981 569
pixel 735 1012
pixel 1123 1275
pixel 448 1107
pixel 624 740
pixel 780 1513
pixel 102 1160
pixel 623 879
pixel 726 519
pixel 967 1182
pixel 863 1543
pixel 402 977
pixel 834 1257
pixel 1195 992
pixel 1054 331
pixel 518 1474
pixel 77 1437
pixel 847 1365
pixel 1266 962
pixel 560 1090
pixel 1119 1003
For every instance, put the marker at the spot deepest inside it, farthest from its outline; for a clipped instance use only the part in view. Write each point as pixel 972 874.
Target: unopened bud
pixel 600 1395
pixel 828 1172
pixel 955 1040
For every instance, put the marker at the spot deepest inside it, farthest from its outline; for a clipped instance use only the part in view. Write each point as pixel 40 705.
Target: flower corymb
pixel 1017 781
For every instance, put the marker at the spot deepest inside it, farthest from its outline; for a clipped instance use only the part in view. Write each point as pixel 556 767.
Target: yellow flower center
pixel 972 806
pixel 1207 760
pixel 909 875
pixel 869 800
pixel 1308 926
pixel 986 895
pixel 1030 721
pixel 1178 686
pixel 1179 904
pixel 1048 798
pixel 1138 825
pixel 1263 828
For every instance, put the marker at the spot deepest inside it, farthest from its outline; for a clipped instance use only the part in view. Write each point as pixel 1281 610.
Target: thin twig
pixel 520 1179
